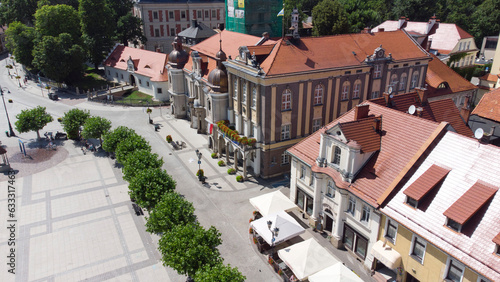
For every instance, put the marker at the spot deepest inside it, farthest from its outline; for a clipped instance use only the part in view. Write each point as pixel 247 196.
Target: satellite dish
pixel 479 133
pixel 412 109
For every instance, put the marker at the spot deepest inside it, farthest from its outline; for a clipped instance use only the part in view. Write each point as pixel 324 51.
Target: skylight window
pixel 454 225
pixel 411 202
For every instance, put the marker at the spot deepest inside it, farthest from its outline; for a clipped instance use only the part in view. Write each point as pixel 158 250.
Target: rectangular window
pixel 352 205
pixel 171 16
pixel 455 271
pixel 375 94
pixel 391 230
pixel 285 132
pixel 453 225
pixel 330 190
pixel 377 72
pixel 402 84
pixel 172 31
pixel 309 205
pixel 336 155
pixel 348 237
pixel 199 15
pixel 235 88
pixel 147 83
pixel 121 75
pixel 498 249
pixel 316 124
pixel 411 202
pixel 302 172
pixel 244 93
pixel 300 199
pixel 214 13
pixel 311 183
pixel 159 90
pixel 286 100
pixel 345 92
pixel 140 82
pixel 183 14
pixel 361 246
pixel 355 91
pixel 207 15
pixel 155 15
pixel 414 80
pixel 365 216
pixel 254 97
pixel 157 32
pixel 116 74
pixel 285 159
pixel 418 249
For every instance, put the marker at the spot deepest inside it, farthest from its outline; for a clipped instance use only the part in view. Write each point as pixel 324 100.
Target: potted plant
pixel 254 240
pixel 280 272
pixel 231 171
pixel 214 155
pixel 250 220
pixel 10 100
pixel 200 172
pixel 169 138
pixel 59 119
pixel 239 178
pixel 270 260
pixel 221 163
pixel 250 230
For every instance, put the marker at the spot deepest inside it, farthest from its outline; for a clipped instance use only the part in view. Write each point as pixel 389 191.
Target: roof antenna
pixel 220 40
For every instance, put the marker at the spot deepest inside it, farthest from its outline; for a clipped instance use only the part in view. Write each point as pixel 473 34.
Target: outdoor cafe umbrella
pixel 288 227
pixel 306 258
pixel 272 202
pixel 335 273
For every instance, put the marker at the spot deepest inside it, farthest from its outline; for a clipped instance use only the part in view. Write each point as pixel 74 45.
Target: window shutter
pixel 218 14
pixel 177 28
pixel 166 15
pixel 177 15
pixel 161 15
pixel 194 15
pixel 161 31
pixel 152 31
pixel 150 13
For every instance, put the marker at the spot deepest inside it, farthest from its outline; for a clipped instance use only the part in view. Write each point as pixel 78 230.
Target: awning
pixel 306 258
pixel 335 273
pixel 272 203
pixel 386 255
pixel 288 227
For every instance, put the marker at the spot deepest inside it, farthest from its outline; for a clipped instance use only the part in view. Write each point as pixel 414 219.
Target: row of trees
pixel 478 17
pixel 57 37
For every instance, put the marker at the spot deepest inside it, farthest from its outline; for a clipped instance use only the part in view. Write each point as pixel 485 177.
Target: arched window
pixel 357 89
pixel 394 80
pixel 414 80
pixel 318 94
pixel 336 155
pixel 345 91
pixel 209 105
pixel 286 100
pixel 402 83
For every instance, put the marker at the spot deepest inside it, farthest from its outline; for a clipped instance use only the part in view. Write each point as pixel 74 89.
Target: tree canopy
pixel 139 160
pixel 129 28
pixel 96 127
pixel 54 20
pixel 20 41
pixel 219 273
pixel 115 136
pixel 17 10
pixel 149 185
pixel 127 146
pixel 171 211
pixel 33 120
pixel 73 120
pixel 329 17
pixel 188 248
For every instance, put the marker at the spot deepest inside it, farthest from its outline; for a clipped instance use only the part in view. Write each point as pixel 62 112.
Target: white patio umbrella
pixel 335 273
pixel 272 202
pixel 288 227
pixel 306 258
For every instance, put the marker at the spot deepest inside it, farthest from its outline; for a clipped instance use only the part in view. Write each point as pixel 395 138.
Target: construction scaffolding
pixel 254 17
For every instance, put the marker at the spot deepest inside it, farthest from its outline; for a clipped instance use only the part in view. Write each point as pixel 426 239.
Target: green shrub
pixel 169 138
pixel 214 155
pixel 200 172
pixel 231 171
pixel 239 178
pixel 221 163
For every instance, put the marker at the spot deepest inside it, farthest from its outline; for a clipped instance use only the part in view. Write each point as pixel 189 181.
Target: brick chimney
pixel 377 124
pixel 366 30
pixel 422 95
pixel 361 111
pixel 387 98
pixel 402 22
pixel 465 110
pixel 433 21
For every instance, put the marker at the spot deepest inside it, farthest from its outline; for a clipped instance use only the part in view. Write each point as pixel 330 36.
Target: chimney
pixel 429 43
pixel 402 22
pixel 465 110
pixel 486 136
pixel 420 110
pixel 422 95
pixel 377 124
pixel 220 26
pixel 431 23
pixel 194 23
pixel 361 111
pixel 158 50
pixel 387 98
pixel 366 30
pixel 381 29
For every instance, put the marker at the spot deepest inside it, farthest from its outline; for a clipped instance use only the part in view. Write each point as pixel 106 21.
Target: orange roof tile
pixel 147 63
pixel 432 176
pixel 470 202
pixel 440 110
pixel 496 240
pixel 340 51
pixel 489 77
pixel 402 137
pixel 489 106
pixel 438 72
pixel 363 133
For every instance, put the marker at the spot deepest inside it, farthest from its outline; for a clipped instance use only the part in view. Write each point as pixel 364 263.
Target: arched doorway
pixel 132 80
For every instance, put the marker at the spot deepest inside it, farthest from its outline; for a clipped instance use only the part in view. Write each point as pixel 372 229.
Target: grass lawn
pixel 92 79
pixel 137 98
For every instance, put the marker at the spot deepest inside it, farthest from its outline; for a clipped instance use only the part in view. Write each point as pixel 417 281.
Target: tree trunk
pixel 38 134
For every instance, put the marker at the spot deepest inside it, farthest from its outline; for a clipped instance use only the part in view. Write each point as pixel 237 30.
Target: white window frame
pixel 302 174
pixel 254 97
pixel 311 182
pixel 414 79
pixel 345 91
pixel 402 83
pixel 365 214
pixel 337 155
pixel 375 94
pixel 318 94
pixel 316 124
pixel 456 263
pixel 356 90
pixel 330 189
pixel 155 15
pixel 386 229
pixel 285 158
pixel 199 14
pixel 235 88
pixel 285 132
pixel 214 14
pixel 394 80
pixel 417 240
pixel 351 207
pixel 244 92
pixel 286 100
pixel 171 15
pixel 377 71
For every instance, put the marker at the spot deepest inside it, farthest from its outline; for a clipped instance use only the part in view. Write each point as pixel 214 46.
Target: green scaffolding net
pixel 254 17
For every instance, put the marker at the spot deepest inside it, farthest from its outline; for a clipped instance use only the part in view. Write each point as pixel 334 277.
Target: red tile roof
pixel 340 51
pixel 438 72
pixel 426 182
pixel 147 63
pixel 496 240
pixel 363 133
pixel 402 138
pixel 490 77
pixel 470 202
pixel 489 106
pixel 440 110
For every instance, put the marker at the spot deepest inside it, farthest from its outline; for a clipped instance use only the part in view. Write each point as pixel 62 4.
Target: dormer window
pixel 336 155
pixel 352 205
pixel 411 202
pixel 453 225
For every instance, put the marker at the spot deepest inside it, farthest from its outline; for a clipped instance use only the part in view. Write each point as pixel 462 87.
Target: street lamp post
pixel 274 232
pixel 201 177
pixel 8 120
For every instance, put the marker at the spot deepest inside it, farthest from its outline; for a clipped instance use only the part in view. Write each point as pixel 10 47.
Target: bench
pixel 137 209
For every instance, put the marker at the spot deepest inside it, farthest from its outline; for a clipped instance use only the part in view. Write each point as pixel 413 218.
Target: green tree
pixel 72 3
pixel 416 10
pixel 33 120
pixel 54 20
pixel 119 8
pixel 361 14
pixel 97 29
pixel 329 18
pixel 148 187
pixel 20 42
pixel 127 146
pixel 115 136
pixel 59 58
pixel 73 120
pixel 219 273
pixel 139 160
pixel 171 211
pixel 129 28
pixel 486 20
pixel 187 248
pixel 96 127
pixel 17 10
